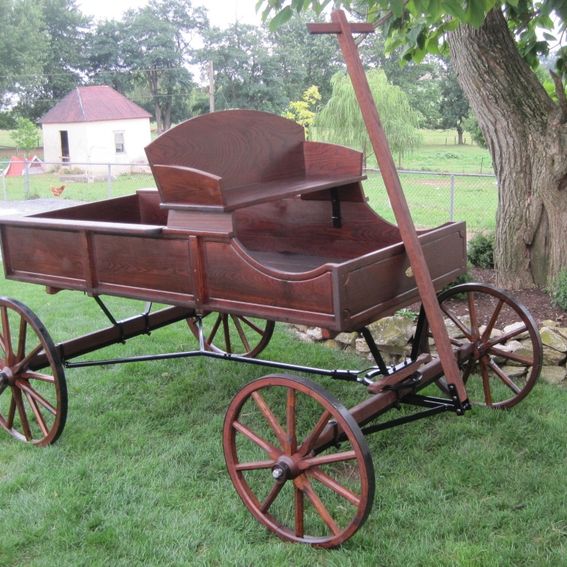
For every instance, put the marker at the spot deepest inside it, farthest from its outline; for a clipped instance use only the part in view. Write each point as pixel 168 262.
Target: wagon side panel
pixel 383 282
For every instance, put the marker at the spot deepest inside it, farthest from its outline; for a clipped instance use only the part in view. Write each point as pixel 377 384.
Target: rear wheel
pixel 33 391
pixel 234 334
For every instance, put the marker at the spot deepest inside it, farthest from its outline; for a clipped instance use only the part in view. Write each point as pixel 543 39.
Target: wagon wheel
pixel 500 370
pixel 33 396
pixel 235 334
pixel 280 451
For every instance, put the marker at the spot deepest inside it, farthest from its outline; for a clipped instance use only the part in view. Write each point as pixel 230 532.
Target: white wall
pixel 93 142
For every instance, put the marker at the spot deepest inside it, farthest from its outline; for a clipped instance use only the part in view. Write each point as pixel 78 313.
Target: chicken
pixel 58 190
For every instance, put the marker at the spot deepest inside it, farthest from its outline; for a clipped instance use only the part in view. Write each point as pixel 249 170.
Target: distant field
pixel 6 139
pixel 440 152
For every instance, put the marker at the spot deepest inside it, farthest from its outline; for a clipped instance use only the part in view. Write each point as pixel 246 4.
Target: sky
pixel 222 13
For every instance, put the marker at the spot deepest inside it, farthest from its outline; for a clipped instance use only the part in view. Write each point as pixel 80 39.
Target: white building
pixel 95 125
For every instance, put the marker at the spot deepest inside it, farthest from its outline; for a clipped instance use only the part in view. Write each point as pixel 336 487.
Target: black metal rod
pixel 405 419
pixel 349 375
pixel 376 354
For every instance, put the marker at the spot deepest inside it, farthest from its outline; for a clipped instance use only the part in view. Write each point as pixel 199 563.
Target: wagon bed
pixel 248 218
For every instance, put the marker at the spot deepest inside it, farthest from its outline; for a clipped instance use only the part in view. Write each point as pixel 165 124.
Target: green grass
pixel 439 152
pixel 138 476
pixel 6 139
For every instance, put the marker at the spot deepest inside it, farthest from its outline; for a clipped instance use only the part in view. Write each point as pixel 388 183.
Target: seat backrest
pixel 240 146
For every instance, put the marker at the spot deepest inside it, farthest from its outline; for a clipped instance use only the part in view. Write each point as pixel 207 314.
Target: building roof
pixel 92 104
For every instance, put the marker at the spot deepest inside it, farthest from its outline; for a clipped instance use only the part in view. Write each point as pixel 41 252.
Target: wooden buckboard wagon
pixel 251 224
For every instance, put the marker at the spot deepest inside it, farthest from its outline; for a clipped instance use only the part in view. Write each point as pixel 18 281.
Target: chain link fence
pixel 436 198
pixel 433 198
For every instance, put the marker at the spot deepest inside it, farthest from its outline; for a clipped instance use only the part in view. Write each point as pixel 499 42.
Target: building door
pixel 64 145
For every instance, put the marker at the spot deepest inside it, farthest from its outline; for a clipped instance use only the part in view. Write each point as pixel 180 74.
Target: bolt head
pixel 277 473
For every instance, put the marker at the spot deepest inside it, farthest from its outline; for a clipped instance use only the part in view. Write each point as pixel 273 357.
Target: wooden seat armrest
pixel 179 184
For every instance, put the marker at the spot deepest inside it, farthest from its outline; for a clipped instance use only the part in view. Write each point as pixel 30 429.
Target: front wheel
pixel 281 454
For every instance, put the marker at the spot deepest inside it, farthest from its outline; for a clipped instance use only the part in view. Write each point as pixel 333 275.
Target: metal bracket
pixel 110 317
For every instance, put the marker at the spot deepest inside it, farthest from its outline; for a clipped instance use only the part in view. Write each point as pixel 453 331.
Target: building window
pixel 119 142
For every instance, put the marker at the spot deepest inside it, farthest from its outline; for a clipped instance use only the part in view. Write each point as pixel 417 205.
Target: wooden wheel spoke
pixel 270 418
pixel 457 322
pixel 38 417
pixel 309 443
pixel 11 412
pixel 38 376
pixel 241 333
pixel 337 488
pixel 22 413
pixel 215 328
pixel 492 322
pixel 22 339
pixel 473 314
pixel 291 445
pixel 504 377
pixel 299 512
pixel 273 494
pixel 485 382
pixel 6 333
pixel 36 396
pixel 226 331
pixel 327 459
pixel 252 325
pixel 262 443
pixel 321 509
pixel 507 336
pixel 28 358
pixel 254 465
pixel 526 360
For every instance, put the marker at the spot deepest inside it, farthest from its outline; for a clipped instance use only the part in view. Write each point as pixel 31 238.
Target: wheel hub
pixel 6 379
pixel 285 469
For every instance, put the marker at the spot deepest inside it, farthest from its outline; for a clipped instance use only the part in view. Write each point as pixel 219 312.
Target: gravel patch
pixel 32 206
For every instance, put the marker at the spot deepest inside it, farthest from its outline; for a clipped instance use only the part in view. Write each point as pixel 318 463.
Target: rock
pixel 454 331
pixel 550 323
pixel 554 374
pixel 392 334
pixel 552 357
pixel 514 371
pixel 314 334
pixel 361 346
pixel 509 328
pixel 510 346
pixel 553 339
pixel 495 333
pixel 332 344
pixel 346 339
pixel 301 328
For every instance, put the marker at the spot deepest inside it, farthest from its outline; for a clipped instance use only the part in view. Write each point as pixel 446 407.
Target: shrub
pixel 481 250
pixel 559 290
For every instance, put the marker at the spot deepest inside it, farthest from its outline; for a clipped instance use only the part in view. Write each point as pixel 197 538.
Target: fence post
pixel 109 179
pixel 452 200
pixel 26 179
pixel 4 187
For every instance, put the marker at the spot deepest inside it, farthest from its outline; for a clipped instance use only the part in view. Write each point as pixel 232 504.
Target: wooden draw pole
pixel 344 30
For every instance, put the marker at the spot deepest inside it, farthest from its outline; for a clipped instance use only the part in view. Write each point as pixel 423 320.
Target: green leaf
pixel 397 7
pixel 475 13
pixel 454 8
pixel 281 18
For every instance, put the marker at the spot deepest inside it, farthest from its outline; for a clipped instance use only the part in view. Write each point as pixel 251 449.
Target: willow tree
pixel 495 47
pixel 340 120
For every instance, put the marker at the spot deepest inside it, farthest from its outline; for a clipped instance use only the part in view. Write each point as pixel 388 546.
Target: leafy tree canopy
pixel 421 25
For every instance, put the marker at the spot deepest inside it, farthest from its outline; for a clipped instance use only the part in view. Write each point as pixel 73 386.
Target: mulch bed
pixel 537 302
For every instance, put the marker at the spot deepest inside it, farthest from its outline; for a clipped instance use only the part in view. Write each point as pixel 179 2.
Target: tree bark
pixel 526 133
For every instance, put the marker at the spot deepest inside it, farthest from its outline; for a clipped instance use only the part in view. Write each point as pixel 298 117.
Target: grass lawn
pixel 138 476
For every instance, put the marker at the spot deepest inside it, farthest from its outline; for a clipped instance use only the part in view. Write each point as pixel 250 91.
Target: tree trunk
pixel 526 133
pixel 460 140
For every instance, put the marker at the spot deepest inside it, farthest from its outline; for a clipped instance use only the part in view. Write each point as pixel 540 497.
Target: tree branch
pixel 561 96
